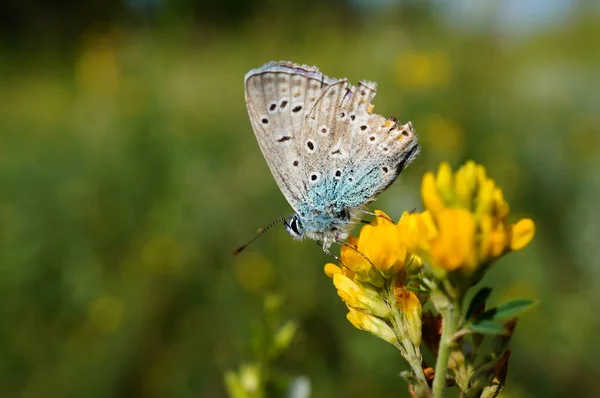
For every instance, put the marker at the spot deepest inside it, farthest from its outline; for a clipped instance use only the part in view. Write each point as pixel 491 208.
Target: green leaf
pixel 507 310
pixel 487 327
pixel 478 300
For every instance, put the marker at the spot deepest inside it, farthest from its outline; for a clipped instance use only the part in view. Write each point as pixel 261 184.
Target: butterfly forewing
pixel 278 97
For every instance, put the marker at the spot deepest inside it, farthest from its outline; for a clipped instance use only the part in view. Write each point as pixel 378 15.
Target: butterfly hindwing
pixel 360 153
pixel 379 148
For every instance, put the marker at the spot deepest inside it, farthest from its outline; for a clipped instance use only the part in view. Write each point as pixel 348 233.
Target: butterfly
pixel 328 152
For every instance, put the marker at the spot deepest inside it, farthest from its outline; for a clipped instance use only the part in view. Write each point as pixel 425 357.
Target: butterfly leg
pixel 328 252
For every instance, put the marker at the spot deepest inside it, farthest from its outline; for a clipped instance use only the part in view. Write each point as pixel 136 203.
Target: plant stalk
pixel 449 323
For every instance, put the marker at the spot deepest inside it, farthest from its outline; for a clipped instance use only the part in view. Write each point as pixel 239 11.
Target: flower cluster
pixel 441 252
pixel 465 224
pixel 371 278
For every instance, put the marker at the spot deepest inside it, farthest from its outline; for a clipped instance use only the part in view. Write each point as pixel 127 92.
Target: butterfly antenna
pixel 259 233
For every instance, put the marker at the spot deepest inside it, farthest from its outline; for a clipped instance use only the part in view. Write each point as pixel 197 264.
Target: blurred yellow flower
pixel 423 70
pixel 106 313
pixel 453 245
pixel 98 70
pixel 442 135
pixel 465 224
pixel 253 272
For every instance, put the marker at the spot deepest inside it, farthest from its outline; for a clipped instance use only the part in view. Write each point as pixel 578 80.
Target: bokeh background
pixel 129 172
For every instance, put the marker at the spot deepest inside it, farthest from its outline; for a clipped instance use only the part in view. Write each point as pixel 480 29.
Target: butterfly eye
pixel 294 226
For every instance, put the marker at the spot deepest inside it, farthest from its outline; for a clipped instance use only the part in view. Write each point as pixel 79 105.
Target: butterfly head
pixel 321 227
pixel 294 227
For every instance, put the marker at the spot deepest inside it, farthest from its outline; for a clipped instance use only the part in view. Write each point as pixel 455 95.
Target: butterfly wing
pixel 278 96
pixel 357 154
pixel 324 146
pixel 368 151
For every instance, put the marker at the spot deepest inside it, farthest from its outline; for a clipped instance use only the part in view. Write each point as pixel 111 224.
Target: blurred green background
pixel 129 172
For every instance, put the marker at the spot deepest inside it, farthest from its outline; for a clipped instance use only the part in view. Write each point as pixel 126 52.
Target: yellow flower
pixel 331 270
pixel 371 324
pixel 377 254
pixel 423 70
pixel 360 296
pixel 358 263
pixel 409 304
pixel 521 234
pixel 416 229
pixel 453 247
pixel 465 224
pixel 372 267
pixel 442 135
pixel 431 196
pixel 380 243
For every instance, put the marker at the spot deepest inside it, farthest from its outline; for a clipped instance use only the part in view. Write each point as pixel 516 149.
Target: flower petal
pixel 522 233
pixel 383 246
pixel 454 247
pixel 445 183
pixel 371 324
pixel 352 259
pixel 331 269
pixel 410 305
pixel 430 195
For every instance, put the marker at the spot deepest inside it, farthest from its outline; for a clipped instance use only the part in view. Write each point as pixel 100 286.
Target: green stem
pixel 449 323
